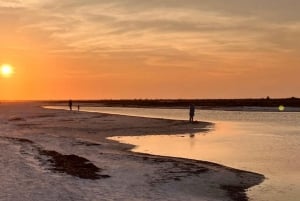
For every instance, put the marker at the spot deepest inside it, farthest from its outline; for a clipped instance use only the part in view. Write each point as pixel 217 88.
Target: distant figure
pixel 70 104
pixel 78 108
pixel 192 113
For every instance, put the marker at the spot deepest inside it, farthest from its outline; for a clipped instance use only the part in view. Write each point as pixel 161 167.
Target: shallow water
pixel 263 142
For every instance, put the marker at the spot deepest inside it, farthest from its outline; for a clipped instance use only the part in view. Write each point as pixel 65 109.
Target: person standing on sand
pixel 78 108
pixel 70 104
pixel 192 113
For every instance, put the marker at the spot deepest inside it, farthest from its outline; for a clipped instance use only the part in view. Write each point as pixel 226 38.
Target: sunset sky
pixel 103 49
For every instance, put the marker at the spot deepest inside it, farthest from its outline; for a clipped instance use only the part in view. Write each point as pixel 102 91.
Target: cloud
pixel 212 45
pixel 138 28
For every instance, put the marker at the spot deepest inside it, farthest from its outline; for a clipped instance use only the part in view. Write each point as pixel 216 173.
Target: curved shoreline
pixel 195 179
pixel 236 192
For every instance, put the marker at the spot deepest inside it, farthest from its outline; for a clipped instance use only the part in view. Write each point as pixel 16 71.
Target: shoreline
pixel 235 192
pixel 84 134
pixel 213 108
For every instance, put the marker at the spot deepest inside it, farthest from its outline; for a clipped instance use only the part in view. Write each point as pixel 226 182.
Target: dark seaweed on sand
pixel 73 165
pixel 70 164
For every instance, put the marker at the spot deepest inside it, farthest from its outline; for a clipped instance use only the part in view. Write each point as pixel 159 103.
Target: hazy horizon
pixel 100 49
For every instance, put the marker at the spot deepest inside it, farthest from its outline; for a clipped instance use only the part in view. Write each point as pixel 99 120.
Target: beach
pixel 65 155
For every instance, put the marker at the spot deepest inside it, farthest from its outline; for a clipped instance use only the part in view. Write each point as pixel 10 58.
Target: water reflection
pixel 249 146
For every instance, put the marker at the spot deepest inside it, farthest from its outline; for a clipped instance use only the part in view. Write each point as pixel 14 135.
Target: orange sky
pixel 103 49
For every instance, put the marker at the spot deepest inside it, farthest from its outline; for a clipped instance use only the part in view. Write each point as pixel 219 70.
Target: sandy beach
pixel 65 155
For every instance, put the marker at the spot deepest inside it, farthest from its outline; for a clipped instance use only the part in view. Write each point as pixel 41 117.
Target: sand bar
pixel 62 155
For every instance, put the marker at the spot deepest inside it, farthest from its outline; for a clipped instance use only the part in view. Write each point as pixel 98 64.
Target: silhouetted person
pixel 78 108
pixel 70 104
pixel 192 113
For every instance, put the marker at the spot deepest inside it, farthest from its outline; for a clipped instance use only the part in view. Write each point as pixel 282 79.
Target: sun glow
pixel 6 70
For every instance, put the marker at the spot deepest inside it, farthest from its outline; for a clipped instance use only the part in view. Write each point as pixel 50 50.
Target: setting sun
pixel 6 70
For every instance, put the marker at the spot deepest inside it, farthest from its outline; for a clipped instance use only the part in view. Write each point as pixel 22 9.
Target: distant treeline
pixel 263 102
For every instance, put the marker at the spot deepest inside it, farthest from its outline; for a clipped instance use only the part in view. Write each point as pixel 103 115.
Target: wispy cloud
pixel 189 29
pixel 139 46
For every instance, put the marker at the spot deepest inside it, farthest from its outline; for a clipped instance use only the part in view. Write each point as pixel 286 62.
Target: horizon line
pixel 147 99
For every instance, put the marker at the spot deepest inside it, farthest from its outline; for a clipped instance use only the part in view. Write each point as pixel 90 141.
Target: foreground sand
pixel 62 155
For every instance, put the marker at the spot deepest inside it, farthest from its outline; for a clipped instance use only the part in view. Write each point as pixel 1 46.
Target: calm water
pixel 263 142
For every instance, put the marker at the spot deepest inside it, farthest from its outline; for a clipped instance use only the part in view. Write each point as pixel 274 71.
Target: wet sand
pixel 72 147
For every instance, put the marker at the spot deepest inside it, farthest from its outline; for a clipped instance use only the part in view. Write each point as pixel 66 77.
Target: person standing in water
pixel 192 113
pixel 70 104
